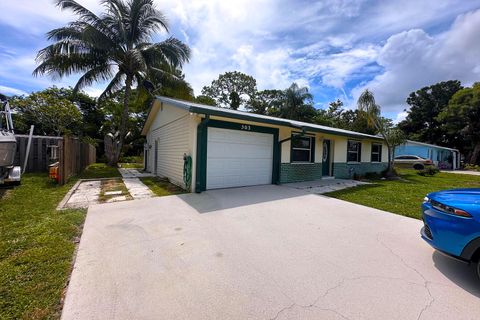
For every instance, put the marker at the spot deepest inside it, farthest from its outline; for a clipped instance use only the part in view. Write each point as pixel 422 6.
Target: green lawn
pixel 99 170
pixel 36 248
pixel 404 196
pixel 161 187
pixel 131 165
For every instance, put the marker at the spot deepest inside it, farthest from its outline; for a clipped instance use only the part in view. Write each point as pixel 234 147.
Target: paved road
pixel 267 252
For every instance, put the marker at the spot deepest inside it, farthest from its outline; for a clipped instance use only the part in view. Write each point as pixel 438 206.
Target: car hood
pixel 466 199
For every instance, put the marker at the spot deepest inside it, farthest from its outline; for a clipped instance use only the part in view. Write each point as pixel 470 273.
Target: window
pixel 354 151
pixel 376 153
pixel 302 149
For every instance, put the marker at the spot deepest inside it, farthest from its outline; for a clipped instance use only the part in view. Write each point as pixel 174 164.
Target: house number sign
pixel 246 127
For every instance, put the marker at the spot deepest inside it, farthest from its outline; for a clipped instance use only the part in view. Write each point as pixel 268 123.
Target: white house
pixel 230 148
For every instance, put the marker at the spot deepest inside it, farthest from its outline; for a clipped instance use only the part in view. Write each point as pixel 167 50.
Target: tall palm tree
pixel 115 46
pixel 297 104
pixel 393 137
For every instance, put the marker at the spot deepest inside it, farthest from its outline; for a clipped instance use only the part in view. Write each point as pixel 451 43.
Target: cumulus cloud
pixel 414 59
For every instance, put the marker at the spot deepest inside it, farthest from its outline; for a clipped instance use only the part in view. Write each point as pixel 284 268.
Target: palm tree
pixel 393 137
pixel 115 46
pixel 297 104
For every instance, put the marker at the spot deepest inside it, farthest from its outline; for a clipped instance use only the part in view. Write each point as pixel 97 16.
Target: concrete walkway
pixel 324 185
pixel 265 252
pixel 136 188
pixel 82 195
pixel 133 173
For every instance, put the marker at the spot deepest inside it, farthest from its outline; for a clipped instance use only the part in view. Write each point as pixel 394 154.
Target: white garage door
pixel 238 158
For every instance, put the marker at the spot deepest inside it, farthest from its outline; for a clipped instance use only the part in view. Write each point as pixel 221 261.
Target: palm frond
pixel 99 73
pixel 171 51
pixel 114 85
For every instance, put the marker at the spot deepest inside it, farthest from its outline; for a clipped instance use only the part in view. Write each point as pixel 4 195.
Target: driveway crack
pixel 425 281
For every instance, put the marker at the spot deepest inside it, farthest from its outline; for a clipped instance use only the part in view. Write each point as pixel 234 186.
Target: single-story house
pixel 442 157
pixel 231 148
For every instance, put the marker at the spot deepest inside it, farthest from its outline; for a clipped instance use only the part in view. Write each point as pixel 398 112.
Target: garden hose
pixel 187 171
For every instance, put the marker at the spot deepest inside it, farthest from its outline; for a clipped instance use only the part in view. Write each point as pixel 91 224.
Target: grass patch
pixel 113 185
pixel 36 248
pixel 161 187
pixel 404 196
pixel 99 170
pixel 131 165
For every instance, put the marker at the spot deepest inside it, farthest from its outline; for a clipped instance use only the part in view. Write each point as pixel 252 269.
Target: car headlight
pixel 426 199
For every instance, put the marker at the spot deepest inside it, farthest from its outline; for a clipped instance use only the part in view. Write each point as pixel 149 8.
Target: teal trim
pixel 298 172
pixel 342 170
pixel 201 164
pixel 202 143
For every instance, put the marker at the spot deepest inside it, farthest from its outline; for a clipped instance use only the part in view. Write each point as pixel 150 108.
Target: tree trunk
pixel 123 122
pixel 475 158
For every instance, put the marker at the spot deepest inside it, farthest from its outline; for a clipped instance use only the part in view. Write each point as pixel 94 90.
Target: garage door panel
pixel 238 158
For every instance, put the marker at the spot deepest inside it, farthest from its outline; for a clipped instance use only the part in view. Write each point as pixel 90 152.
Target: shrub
pixel 428 171
pixel 131 159
pixel 474 167
pixel 372 175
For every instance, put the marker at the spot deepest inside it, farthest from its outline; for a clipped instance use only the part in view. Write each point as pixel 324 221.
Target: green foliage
pixel 267 102
pixel 161 187
pixel 472 167
pixel 36 248
pixel 116 46
pixel 428 171
pixel 422 123
pixel 461 118
pixel 99 170
pixel 337 117
pixel 404 196
pixel 51 111
pixel 297 104
pixel 393 137
pixel 205 100
pixel 232 90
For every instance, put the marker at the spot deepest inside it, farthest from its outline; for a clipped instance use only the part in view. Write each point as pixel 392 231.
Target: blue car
pixel 452 223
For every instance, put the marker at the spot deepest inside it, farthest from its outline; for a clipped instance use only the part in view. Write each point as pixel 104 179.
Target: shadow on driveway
pixel 459 273
pixel 221 199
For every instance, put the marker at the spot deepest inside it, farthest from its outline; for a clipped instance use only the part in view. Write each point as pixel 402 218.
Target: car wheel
pixel 418 166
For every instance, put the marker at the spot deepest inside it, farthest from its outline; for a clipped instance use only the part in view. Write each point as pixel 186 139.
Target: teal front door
pixel 326 158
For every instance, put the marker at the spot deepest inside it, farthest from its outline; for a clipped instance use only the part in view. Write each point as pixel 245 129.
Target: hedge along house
pixel 231 148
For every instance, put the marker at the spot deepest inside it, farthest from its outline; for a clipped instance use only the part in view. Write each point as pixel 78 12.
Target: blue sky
pixel 335 47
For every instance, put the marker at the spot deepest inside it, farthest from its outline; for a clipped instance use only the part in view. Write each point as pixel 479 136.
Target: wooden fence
pixel 74 157
pixel 42 152
pixel 71 154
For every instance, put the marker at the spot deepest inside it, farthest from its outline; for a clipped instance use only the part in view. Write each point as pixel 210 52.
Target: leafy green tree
pixel 371 111
pixel 232 90
pixel 426 104
pixel 297 104
pixel 205 100
pixel 461 118
pixel 115 46
pixel 266 102
pixel 49 111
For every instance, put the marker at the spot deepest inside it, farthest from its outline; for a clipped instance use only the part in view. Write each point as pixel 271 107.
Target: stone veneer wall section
pixel 342 170
pixel 297 172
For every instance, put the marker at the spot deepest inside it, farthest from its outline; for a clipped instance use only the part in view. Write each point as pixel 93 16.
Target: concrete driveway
pixel 267 252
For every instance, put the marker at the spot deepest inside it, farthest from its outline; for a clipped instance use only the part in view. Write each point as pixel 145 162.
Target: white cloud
pixel 414 59
pixel 12 91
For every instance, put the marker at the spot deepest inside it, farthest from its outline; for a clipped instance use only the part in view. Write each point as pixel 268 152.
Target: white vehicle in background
pixel 412 161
